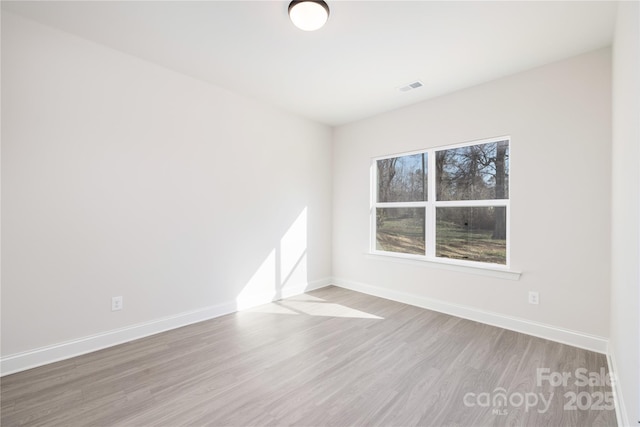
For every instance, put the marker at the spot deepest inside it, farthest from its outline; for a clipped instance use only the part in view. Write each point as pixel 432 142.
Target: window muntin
pixel 468 220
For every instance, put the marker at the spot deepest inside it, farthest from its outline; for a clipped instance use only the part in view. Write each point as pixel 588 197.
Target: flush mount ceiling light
pixel 308 15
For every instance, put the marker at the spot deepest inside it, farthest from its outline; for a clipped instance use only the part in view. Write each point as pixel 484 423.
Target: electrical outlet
pixel 116 303
pixel 534 298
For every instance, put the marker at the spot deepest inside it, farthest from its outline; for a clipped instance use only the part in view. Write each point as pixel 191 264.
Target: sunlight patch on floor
pixel 312 308
pixel 270 309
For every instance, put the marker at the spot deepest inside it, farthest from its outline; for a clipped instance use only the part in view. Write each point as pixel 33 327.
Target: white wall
pixel 625 298
pixel 558 117
pixel 120 177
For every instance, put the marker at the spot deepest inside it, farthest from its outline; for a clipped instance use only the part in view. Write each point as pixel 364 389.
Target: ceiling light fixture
pixel 308 15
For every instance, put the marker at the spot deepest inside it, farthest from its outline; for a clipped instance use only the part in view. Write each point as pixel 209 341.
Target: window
pixel 445 203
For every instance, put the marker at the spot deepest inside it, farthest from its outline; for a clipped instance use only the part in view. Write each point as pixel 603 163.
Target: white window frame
pixel 430 209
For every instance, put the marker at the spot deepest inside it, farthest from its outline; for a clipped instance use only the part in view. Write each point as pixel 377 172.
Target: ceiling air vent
pixel 411 86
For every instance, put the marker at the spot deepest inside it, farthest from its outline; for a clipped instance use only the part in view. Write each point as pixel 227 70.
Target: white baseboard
pixel 66 350
pixel 621 410
pixel 565 336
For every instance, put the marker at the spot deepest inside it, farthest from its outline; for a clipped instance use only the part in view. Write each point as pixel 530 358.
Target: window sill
pixel 482 270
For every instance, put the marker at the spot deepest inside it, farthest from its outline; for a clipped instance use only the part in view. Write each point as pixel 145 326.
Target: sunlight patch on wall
pixel 262 285
pixel 283 270
pixel 293 252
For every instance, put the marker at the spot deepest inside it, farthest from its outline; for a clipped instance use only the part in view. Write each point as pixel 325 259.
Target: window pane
pixel 472 233
pixel 403 179
pixel 400 230
pixel 476 172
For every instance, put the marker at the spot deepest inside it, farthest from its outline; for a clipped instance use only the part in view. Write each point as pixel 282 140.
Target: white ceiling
pixel 351 68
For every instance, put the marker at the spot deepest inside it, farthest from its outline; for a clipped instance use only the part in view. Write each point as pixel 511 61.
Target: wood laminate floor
pixel 332 357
